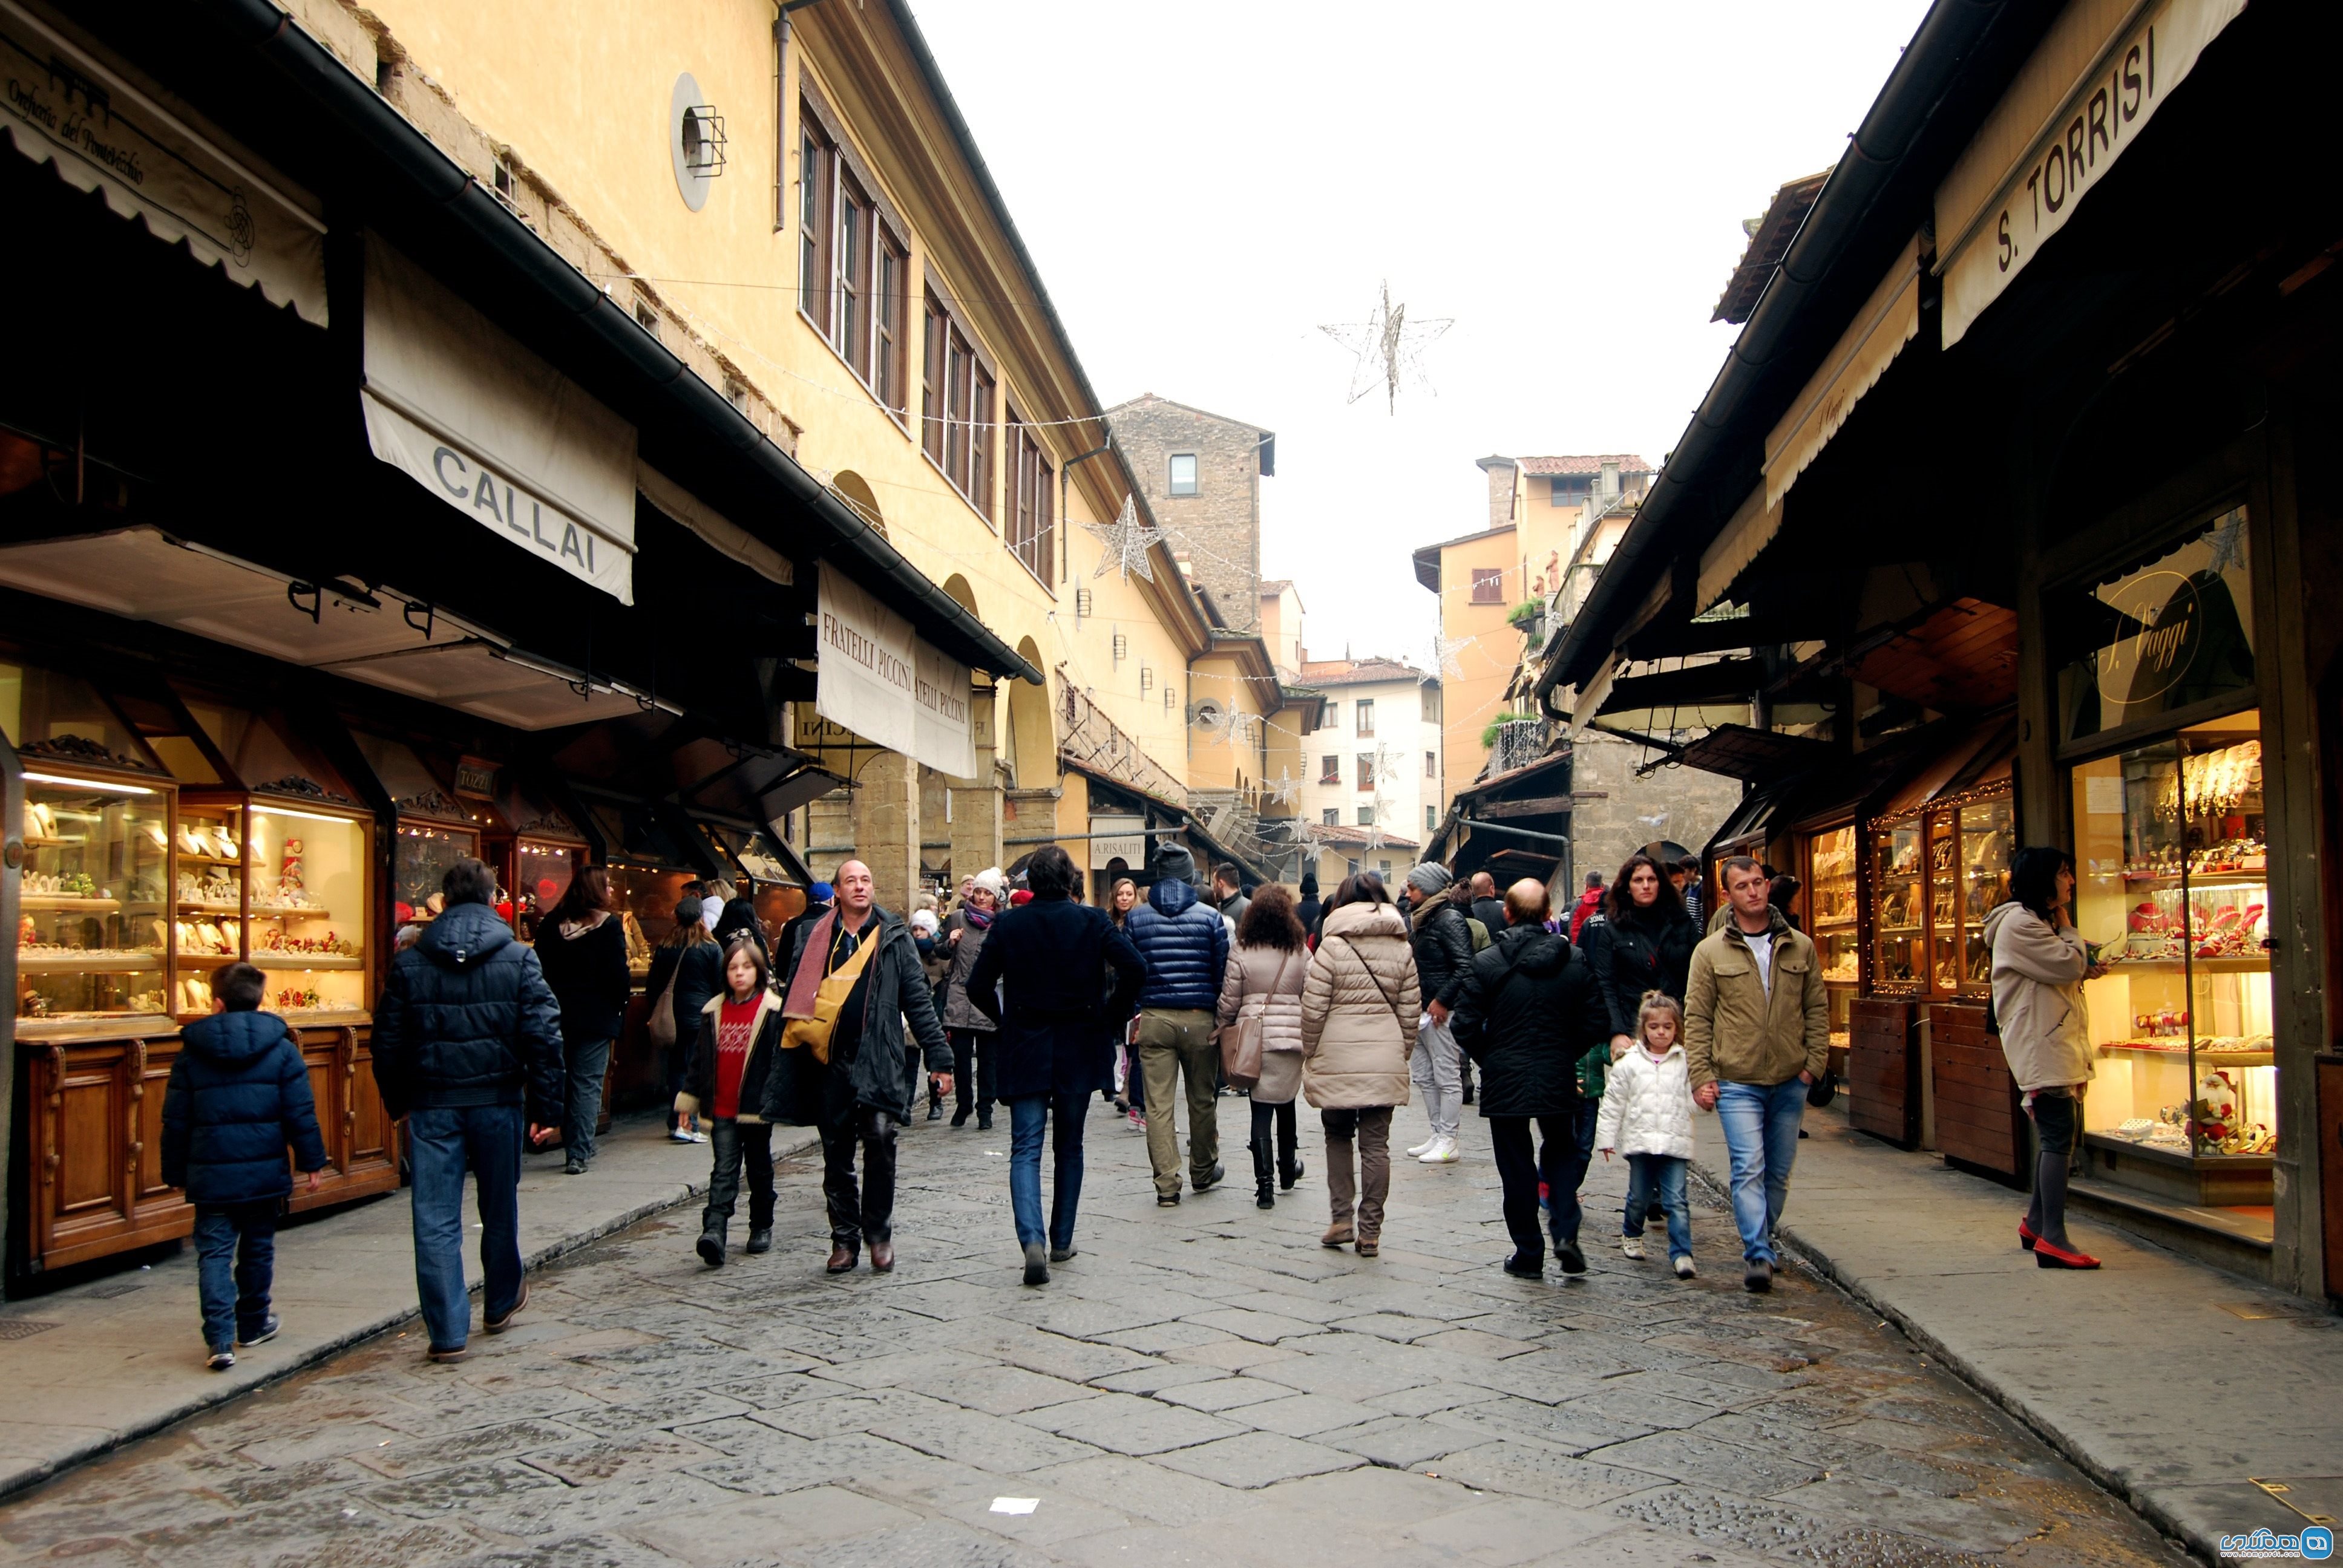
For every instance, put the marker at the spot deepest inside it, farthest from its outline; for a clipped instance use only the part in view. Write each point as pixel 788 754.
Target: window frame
pixel 960 397
pixel 1366 814
pixel 1488 584
pixel 1330 815
pixel 1028 506
pixel 1171 475
pixel 1366 771
pixel 1330 768
pixel 1363 717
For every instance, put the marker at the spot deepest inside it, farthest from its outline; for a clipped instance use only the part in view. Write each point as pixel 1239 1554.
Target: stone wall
pixel 1688 804
pixel 1219 526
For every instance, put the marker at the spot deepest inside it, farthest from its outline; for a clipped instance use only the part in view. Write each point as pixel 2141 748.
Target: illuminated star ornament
pixel 1127 541
pixel 1447 656
pixel 1389 350
pixel 1284 788
pixel 2228 544
pixel 1232 726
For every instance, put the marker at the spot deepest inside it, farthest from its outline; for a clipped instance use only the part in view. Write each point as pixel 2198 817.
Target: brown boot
pixel 1342 1193
pixel 882 1257
pixel 841 1258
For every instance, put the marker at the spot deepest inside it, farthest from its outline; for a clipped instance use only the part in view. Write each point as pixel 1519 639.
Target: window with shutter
pixel 1488 585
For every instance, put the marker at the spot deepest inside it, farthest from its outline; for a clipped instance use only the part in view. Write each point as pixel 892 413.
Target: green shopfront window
pixel 2163 634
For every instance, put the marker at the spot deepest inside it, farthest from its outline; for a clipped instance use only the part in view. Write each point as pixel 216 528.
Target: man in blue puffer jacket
pixel 1186 945
pixel 468 1048
pixel 237 1099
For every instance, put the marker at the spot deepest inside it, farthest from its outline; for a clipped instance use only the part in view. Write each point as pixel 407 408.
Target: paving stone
pixel 1126 1423
pixel 1399 1442
pixel 1305 1414
pixel 1536 1470
pixel 746 1529
pixel 1261 1328
pixel 594 1460
pixel 413 1456
pixel 461 1487
pixel 1258 1459
pixel 971 1437
pixel 1222 1393
pixel 1006 1391
pixel 1729 1466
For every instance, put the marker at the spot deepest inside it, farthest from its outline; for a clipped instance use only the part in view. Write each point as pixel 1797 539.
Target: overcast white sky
pixel 1204 184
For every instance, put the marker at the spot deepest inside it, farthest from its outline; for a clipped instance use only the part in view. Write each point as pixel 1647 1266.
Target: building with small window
pixel 1373 752
pixel 1203 473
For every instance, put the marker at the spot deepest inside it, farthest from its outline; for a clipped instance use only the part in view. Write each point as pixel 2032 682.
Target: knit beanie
pixel 1429 875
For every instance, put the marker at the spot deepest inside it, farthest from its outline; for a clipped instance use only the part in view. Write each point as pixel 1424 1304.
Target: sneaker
pixel 1758 1278
pixel 267 1332
pixel 1421 1149
pixel 1167 1200
pixel 698 1136
pixel 1684 1271
pixel 680 1135
pixel 1441 1152
pixel 573 1167
pixel 1138 1122
pixel 221 1361
pixel 1632 1247
pixel 1211 1181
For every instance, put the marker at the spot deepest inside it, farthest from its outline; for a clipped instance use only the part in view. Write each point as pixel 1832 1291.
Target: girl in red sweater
pixel 740 1031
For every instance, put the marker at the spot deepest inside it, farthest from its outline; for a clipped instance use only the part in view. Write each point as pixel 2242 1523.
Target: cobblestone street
pixel 1200 1385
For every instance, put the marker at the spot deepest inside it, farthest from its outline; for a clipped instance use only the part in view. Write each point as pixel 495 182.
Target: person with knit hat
pixel 1443 956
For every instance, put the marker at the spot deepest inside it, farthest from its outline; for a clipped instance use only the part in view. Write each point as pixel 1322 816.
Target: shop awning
pixel 1963 657
pixel 494 431
pixel 179 178
pixel 1888 320
pixel 381 636
pixel 1757 755
pixel 1968 757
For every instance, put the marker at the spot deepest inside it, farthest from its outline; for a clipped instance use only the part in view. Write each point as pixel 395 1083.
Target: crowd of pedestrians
pixel 1600 1027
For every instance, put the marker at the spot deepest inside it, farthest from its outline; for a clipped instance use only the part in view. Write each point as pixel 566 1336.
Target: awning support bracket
pixel 314 608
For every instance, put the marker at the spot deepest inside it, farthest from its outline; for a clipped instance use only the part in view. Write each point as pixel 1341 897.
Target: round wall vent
pixel 695 141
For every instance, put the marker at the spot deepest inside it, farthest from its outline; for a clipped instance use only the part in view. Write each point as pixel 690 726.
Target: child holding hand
pixel 1647 1115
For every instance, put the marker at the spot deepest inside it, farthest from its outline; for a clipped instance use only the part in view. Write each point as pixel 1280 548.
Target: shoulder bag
pixel 836 987
pixel 1241 1042
pixel 1389 1001
pixel 660 1025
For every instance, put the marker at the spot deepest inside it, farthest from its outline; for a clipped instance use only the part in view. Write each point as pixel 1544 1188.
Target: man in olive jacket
pixel 1756 1033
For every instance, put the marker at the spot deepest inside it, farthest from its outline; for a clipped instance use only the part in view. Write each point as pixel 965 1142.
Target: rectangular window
pixel 1366 816
pixel 1431 696
pixel 1330 771
pixel 1431 819
pixel 1366 770
pixel 2166 633
pixel 1432 765
pixel 888 304
pixel 1331 816
pixel 932 417
pixel 1364 714
pixel 1029 502
pixel 1183 473
pixel 850 323
pixel 816 166
pixel 1488 585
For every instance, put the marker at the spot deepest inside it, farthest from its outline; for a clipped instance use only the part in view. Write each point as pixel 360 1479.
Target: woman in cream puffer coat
pixel 1268 964
pixel 1359 1007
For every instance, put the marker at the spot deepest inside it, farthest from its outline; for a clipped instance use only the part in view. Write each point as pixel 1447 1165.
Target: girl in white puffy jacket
pixel 1647 1115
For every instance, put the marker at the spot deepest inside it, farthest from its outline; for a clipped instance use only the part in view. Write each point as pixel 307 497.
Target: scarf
pixel 979 919
pixel 807 979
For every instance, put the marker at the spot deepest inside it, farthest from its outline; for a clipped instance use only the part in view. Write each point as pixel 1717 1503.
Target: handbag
pixel 1241 1042
pixel 836 987
pixel 660 1025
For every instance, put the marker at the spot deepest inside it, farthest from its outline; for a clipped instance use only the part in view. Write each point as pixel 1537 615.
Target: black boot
pixel 1289 1157
pixel 711 1248
pixel 935 1101
pixel 1264 1183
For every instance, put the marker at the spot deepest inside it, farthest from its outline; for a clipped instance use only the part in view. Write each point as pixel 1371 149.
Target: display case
pixel 2171 891
pixel 1936 874
pixel 93 932
pixel 1833 921
pixel 308 874
pixel 434 828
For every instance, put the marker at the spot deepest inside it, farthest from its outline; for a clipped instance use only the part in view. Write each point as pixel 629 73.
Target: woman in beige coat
pixel 1358 1011
pixel 1268 963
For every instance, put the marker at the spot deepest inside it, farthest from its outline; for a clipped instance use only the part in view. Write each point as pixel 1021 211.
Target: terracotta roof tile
pixel 1543 467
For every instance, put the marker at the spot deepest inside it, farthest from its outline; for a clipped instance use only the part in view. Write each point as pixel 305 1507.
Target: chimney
pixel 1501 472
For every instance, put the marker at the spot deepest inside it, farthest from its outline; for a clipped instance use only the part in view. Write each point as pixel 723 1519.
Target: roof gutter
pixel 842 536
pixel 1947 36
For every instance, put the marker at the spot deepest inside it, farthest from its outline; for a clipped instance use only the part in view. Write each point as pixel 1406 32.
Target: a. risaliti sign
pixel 2082 98
pixel 880 681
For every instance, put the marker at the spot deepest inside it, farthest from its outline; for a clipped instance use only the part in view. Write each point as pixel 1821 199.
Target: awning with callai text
pixel 493 430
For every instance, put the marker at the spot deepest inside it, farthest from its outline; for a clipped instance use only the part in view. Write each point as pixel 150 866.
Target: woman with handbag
pixel 673 1021
pixel 1359 1007
pixel 1259 1018
pixel 582 947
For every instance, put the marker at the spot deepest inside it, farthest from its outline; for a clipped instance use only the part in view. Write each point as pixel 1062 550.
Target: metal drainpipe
pixel 1065 485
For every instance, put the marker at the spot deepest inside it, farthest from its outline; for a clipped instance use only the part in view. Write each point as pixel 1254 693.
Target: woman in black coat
pixel 1644 942
pixel 1528 1010
pixel 1038 978
pixel 582 947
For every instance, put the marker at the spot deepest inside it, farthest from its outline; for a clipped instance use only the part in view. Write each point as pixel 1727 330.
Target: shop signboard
pixel 1116 838
pixel 60 104
pixel 876 677
pixel 2082 98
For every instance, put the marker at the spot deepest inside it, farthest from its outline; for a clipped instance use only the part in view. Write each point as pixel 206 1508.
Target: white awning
pixel 2080 100
pixel 878 679
pixel 493 430
pixel 65 107
pixel 718 532
pixel 384 638
pixel 1888 320
pixel 1752 527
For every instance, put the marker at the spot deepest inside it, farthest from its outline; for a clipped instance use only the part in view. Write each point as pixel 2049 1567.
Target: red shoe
pixel 2025 1236
pixel 2050 1255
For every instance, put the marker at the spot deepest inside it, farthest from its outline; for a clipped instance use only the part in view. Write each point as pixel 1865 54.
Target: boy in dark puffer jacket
pixel 238 1096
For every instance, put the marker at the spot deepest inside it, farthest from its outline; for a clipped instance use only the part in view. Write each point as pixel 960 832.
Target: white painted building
pixel 1373 764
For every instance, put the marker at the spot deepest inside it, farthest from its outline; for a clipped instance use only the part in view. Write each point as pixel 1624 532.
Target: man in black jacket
pixel 468 1048
pixel 1443 953
pixel 1527 1010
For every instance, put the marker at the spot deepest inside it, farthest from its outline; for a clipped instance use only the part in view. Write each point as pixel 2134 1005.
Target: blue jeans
pixel 1027 1113
pixel 588 1062
pixel 443 1141
pixel 236 1263
pixel 1661 1176
pixel 1761 1134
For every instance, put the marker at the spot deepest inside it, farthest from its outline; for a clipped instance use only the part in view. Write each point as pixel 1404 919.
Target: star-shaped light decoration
pixel 2228 544
pixel 1389 348
pixel 1233 724
pixel 1127 541
pixel 1390 768
pixel 1283 789
pixel 1446 653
